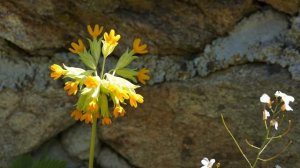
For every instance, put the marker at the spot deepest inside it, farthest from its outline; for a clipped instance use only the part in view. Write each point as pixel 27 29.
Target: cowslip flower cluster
pixel 97 89
pixel 274 109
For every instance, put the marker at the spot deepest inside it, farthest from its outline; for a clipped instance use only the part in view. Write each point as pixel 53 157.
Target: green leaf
pixel 87 59
pixel 50 164
pixel 95 47
pixel 125 59
pixel 127 73
pixel 22 161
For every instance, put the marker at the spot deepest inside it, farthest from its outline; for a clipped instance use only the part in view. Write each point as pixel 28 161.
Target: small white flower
pixel 274 123
pixel 207 163
pixel 265 98
pixel 277 166
pixel 266 114
pixel 286 99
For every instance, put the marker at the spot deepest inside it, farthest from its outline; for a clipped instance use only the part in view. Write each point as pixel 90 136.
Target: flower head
pixel 77 48
pixel 286 100
pixel 266 114
pixel 119 111
pixel 274 123
pixel 134 98
pixel 139 49
pixel 87 117
pixel 58 71
pixel 93 106
pixel 106 121
pixel 143 75
pixel 71 87
pixel 110 42
pixel 91 82
pixel 96 32
pixel 76 114
pixel 207 163
pixel 265 98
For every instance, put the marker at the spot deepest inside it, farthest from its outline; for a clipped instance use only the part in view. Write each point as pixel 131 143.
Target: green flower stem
pixel 92 145
pixel 103 65
pixel 235 141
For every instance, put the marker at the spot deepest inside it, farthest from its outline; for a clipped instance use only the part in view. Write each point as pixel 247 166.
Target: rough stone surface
pixel 176 117
pixel 287 6
pixel 110 159
pixel 252 41
pixel 31 119
pixel 54 150
pixel 183 125
pixel 163 24
pixel 76 141
pixel 32 108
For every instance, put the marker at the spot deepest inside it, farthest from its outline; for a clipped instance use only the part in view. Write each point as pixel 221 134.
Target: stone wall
pixel 206 58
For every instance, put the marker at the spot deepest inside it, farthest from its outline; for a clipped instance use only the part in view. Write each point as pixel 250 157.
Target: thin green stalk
pixel 263 146
pixel 103 65
pixel 235 141
pixel 92 145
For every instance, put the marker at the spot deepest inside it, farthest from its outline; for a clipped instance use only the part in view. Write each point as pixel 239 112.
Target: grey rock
pixel 109 159
pixel 238 47
pixel 45 26
pixel 288 6
pixel 179 123
pixel 54 150
pixel 76 141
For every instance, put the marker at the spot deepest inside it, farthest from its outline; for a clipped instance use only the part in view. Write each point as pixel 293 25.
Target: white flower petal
pixel 277 166
pixel 274 123
pixel 211 162
pixel 278 94
pixel 266 114
pixel 265 98
pixel 205 161
pixel 288 107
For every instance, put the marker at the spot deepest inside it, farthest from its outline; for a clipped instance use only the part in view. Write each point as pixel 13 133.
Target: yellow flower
pixel 58 71
pixel 93 106
pixel 143 75
pixel 96 32
pixel 77 48
pixel 91 82
pixel 134 98
pixel 119 110
pixel 71 87
pixel 119 93
pixel 110 42
pixel 106 121
pixel 87 117
pixel 76 114
pixel 139 49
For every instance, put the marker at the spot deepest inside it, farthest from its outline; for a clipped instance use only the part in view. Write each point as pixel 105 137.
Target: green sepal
pixel 81 103
pixel 125 59
pixel 127 73
pixel 88 59
pixel 104 90
pixel 95 47
pixel 104 105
